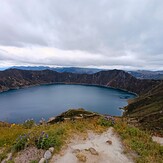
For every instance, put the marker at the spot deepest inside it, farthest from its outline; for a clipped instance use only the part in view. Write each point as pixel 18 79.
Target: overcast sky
pixel 122 34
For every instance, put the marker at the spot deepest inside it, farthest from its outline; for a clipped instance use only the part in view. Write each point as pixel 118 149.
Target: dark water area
pixel 46 101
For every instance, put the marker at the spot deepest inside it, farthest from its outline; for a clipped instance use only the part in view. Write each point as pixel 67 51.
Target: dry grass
pixel 133 138
pixel 58 134
pixel 140 142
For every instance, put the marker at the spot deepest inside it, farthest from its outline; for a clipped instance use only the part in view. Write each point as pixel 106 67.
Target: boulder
pixel 51 149
pixel 47 155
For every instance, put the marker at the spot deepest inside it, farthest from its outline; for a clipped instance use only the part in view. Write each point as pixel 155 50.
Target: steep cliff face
pixel 13 79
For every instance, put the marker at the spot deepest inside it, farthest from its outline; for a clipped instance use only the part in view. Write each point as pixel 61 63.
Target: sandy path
pixel 103 151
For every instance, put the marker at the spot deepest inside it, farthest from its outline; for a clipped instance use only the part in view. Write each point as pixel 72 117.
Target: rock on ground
pixel 47 155
pixel 51 149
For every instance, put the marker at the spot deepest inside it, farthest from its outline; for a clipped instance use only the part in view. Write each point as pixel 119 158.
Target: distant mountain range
pixel 144 74
pixel 77 70
pixel 139 74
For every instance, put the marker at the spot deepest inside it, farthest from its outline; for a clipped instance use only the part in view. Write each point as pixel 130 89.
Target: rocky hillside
pixel 14 79
pixel 147 110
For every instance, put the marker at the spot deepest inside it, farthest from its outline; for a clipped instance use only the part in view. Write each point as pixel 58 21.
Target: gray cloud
pixel 114 33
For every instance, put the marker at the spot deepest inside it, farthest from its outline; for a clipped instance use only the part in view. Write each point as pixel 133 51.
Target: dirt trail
pixel 103 148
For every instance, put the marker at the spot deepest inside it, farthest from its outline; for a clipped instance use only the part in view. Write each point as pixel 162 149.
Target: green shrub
pixel 105 122
pixel 21 142
pixel 46 141
pixel 28 124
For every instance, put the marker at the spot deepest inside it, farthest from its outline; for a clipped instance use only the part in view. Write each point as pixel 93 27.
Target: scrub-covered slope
pixel 147 110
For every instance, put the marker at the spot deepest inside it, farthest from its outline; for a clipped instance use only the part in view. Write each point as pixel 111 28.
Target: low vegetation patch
pixel 140 142
pixel 21 142
pixel 17 137
pixel 106 121
pixel 53 138
pixel 29 123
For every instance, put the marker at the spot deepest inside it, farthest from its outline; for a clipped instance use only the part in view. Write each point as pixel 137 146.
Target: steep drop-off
pixel 147 110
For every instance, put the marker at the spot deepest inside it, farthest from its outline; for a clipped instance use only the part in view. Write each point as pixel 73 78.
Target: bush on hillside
pixel 21 142
pixel 106 121
pixel 28 124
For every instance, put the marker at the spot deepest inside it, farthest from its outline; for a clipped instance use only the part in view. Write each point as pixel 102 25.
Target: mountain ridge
pixel 79 70
pixel 139 74
pixel 14 79
pixel 145 74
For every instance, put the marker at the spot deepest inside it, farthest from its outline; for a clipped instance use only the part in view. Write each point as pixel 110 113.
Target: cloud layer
pixel 94 33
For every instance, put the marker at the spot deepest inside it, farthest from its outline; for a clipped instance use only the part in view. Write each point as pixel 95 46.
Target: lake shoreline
pixel 57 83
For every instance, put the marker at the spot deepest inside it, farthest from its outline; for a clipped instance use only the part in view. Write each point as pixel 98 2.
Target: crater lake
pixel 47 101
